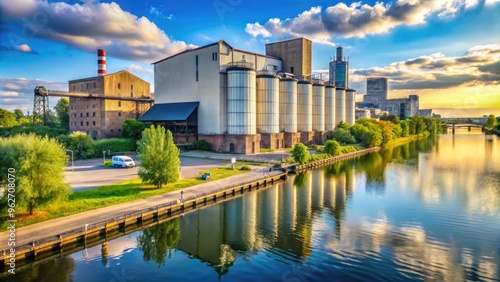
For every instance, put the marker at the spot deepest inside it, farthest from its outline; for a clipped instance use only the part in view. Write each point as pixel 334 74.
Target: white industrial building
pixel 241 101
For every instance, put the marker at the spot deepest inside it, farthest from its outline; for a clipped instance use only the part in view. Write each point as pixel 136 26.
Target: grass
pixel 113 194
pixel 266 150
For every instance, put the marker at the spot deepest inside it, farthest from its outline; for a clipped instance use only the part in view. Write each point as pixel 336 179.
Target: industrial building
pixel 376 98
pixel 103 118
pixel 240 101
pixel 376 89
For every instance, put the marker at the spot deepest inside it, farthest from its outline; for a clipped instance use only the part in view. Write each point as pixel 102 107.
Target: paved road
pixel 27 234
pixel 88 174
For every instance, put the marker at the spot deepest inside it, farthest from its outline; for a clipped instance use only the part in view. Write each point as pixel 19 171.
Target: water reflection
pixel 426 210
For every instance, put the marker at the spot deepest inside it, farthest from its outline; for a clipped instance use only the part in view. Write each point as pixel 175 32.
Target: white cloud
pixel 94 25
pixel 138 69
pixel 17 93
pixel 479 66
pixel 491 2
pixel 357 19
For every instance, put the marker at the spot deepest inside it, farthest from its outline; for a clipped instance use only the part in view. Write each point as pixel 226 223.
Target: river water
pixel 428 210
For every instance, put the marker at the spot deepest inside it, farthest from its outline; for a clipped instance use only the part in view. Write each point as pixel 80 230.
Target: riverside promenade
pixel 27 234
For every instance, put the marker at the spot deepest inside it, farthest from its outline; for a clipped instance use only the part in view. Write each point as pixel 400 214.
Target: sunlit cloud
pixel 94 25
pixel 358 19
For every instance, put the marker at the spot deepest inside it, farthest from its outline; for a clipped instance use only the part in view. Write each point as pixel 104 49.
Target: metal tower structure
pixel 40 105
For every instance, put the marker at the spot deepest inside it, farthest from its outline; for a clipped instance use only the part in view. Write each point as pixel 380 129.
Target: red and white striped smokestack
pixel 101 62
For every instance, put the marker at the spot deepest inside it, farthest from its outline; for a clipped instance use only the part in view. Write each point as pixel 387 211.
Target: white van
pixel 122 161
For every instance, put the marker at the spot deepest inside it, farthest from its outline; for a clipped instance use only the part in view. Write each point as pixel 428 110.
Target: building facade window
pixel 81 123
pixel 93 114
pixel 196 67
pixel 119 103
pixel 119 86
pixel 94 85
pixel 87 114
pixel 81 114
pixel 87 123
pixel 131 91
pixel 214 56
pixel 93 122
pixel 87 86
pixel 119 114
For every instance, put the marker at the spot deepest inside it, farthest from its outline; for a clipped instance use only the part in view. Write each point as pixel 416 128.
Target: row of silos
pixel 265 103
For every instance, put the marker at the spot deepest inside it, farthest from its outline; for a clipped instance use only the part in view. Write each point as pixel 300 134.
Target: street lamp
pixel 72 162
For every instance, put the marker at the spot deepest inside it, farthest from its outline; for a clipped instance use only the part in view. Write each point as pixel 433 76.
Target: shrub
pixel 245 167
pixel 107 163
pixel 343 136
pixel 300 153
pixel 81 144
pixel 347 149
pixel 202 144
pixel 332 148
pixel 113 145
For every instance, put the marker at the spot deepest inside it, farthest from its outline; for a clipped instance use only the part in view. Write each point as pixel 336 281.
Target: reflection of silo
pixel 267 103
pixel 339 105
pixel 350 106
pixel 329 107
pixel 288 105
pixel 268 212
pixel 241 101
pixel 318 193
pixel 304 106
pixel 318 113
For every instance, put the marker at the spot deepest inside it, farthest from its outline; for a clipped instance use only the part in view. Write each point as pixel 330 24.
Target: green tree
pixel 62 111
pixel 387 128
pixel 491 121
pixel 159 157
pixel 157 242
pixel 417 125
pixel 300 153
pixel 7 119
pixel 39 164
pixel 343 135
pixel 392 118
pixel 405 128
pixel 19 114
pixel 81 144
pixel 133 128
pixel 332 148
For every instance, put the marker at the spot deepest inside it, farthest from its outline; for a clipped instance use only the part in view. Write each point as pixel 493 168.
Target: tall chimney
pixel 101 62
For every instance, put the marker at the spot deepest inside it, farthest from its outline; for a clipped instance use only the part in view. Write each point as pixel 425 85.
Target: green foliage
pixel 157 242
pixel 81 144
pixel 405 128
pixel 343 135
pixel 300 153
pixel 332 148
pixel 19 114
pixel 62 111
pixel 7 119
pixel 318 157
pixel 107 163
pixel 133 128
pixel 39 164
pixel 417 125
pixel 368 132
pixel 491 121
pixel 113 145
pixel 387 128
pixel 202 144
pixel 41 130
pixel 347 149
pixel 392 118
pixel 159 157
pixel 245 167
pixel 343 125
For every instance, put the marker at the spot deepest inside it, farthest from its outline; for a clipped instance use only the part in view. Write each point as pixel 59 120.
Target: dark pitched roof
pixel 169 111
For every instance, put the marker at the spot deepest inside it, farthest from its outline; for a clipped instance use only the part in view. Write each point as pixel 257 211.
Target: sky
pixel 446 51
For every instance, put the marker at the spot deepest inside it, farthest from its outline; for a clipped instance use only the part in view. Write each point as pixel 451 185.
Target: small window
pixel 291 69
pixel 74 86
pixel 81 123
pixel 131 91
pixel 119 114
pixel 87 106
pixel 119 130
pixel 196 58
pixel 87 114
pixel 94 85
pixel 74 115
pixel 81 114
pixel 93 114
pixel 119 103
pixel 87 86
pixel 87 132
pixel 111 130
pixel 119 86
pixel 81 86
pixel 87 123
pixel 93 122
pixel 214 56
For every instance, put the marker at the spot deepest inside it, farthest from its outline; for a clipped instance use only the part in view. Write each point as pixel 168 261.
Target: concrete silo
pixel 340 104
pixel 268 110
pixel 350 110
pixel 304 111
pixel 241 110
pixel 329 109
pixel 288 111
pixel 318 113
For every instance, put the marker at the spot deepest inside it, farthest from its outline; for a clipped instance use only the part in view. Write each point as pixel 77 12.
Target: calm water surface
pixel 426 211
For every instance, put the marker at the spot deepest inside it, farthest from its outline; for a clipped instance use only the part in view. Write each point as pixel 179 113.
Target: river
pixel 428 210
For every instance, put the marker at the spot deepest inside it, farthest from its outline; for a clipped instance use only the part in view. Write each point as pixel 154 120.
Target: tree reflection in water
pixel 157 242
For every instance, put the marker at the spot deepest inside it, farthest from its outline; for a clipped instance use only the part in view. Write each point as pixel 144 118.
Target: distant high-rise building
pixel 339 70
pixel 376 89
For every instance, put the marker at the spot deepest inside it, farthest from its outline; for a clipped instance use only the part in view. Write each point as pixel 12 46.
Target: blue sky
pixel 447 51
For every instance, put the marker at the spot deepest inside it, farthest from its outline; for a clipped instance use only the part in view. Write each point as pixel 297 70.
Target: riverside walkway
pixel 27 234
